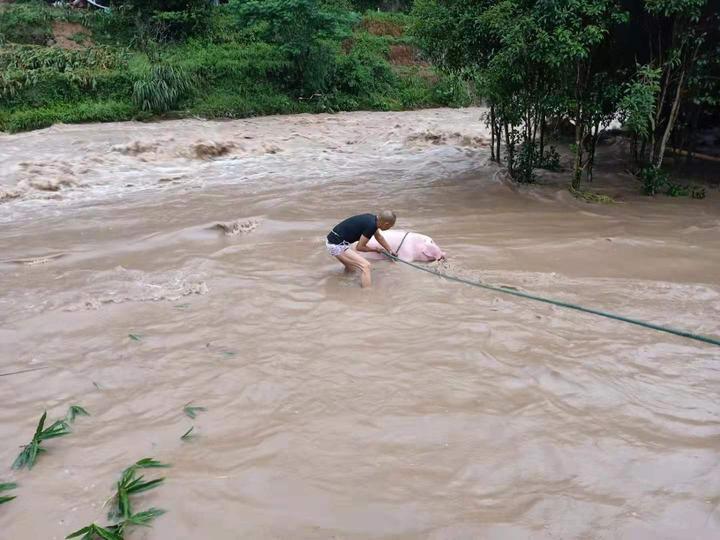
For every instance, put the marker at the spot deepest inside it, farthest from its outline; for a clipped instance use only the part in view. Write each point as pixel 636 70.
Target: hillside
pixel 60 64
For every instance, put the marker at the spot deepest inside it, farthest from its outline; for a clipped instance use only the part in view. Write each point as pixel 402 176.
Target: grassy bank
pixel 65 65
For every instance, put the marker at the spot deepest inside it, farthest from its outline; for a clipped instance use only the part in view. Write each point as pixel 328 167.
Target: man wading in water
pixel 359 229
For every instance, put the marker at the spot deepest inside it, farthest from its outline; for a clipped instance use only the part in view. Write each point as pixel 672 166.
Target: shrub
pixel 25 23
pixel 168 20
pixel 550 161
pixel 72 112
pixel 525 160
pixel 654 180
pixel 307 31
pixel 161 88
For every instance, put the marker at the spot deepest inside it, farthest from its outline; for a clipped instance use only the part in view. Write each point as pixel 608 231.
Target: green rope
pixel 652 326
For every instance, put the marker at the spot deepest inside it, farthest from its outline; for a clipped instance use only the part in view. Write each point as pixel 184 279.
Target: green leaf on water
pixel 149 463
pixel 135 337
pixel 229 354
pixel 138 486
pixel 81 532
pixel 130 484
pixel 192 411
pixel 144 518
pixel 182 306
pixel 187 436
pixel 7 487
pixel 32 450
pixel 75 411
pixel 93 531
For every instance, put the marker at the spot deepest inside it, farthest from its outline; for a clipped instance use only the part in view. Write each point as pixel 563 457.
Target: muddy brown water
pixel 417 409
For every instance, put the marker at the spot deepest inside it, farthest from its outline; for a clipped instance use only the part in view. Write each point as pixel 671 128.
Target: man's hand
pixel 384 251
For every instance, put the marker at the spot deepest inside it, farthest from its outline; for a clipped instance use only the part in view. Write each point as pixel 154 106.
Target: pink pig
pixel 415 248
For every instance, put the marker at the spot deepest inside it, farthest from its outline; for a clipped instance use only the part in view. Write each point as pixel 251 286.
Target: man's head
pixel 386 219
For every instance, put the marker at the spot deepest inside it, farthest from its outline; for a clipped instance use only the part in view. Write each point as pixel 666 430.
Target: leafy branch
pixel 121 513
pixel 59 428
pixel 32 450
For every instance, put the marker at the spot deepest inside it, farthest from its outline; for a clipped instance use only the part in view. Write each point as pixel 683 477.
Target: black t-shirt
pixel 353 228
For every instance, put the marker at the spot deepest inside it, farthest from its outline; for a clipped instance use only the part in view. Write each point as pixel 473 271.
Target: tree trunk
pixel 577 174
pixel 671 120
pixel 492 134
pixel 635 148
pixel 542 135
pixel 591 152
pixel 691 139
pixel 509 149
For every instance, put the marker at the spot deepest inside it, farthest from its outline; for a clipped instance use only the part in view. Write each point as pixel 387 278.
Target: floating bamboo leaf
pixel 182 306
pixel 229 354
pixel 121 512
pixel 192 411
pixel 32 450
pixel 75 411
pixel 91 532
pixel 135 337
pixel 148 463
pixel 131 484
pixel 144 518
pixel 7 487
pixel 187 435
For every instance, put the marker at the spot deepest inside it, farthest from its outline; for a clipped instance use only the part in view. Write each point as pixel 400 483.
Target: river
pixel 419 408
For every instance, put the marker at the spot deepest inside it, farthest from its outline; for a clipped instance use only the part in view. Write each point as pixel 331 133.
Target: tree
pixel 307 31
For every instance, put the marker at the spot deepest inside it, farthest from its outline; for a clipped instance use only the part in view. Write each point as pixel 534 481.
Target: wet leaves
pixel 192 411
pixel 6 487
pixel 130 483
pixel 32 450
pixel 144 518
pixel 75 411
pixel 59 428
pixel 188 434
pixel 135 337
pixel 92 532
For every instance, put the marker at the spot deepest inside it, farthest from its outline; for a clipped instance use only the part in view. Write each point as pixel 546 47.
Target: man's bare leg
pixel 351 259
pixel 348 269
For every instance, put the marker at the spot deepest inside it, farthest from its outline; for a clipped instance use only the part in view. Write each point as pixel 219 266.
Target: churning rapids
pixel 417 409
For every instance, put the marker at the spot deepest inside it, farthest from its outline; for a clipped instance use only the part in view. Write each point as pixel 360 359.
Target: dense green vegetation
pixel 548 64
pixel 144 58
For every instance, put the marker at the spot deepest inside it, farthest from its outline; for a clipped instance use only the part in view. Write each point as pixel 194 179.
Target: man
pixel 359 229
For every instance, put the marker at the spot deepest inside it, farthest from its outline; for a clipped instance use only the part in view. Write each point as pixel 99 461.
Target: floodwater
pixel 419 408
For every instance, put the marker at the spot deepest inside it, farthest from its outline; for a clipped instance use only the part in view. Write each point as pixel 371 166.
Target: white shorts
pixel 337 249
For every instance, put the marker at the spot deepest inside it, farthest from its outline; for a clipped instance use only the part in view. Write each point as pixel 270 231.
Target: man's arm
pixel 381 240
pixel 362 244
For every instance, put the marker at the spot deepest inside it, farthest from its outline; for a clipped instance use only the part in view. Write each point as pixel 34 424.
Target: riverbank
pixel 63 65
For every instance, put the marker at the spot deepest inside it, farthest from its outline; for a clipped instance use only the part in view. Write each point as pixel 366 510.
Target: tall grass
pixel 162 88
